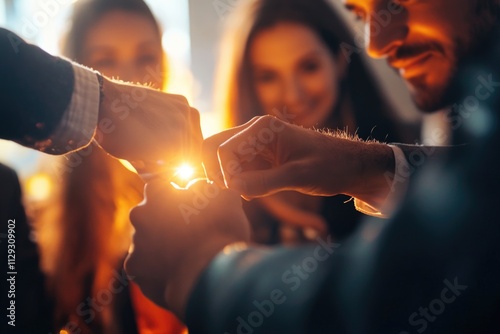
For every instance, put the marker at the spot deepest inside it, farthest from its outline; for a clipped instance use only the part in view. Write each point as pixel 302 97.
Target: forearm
pixel 372 163
pixel 35 89
pixel 48 103
pixel 353 167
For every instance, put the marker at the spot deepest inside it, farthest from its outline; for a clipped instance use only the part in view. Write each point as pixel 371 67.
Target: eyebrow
pixel 106 48
pixel 148 43
pixel 313 53
pixel 350 6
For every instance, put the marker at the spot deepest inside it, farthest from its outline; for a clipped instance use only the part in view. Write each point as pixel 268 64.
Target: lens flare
pixel 185 172
pixel 186 175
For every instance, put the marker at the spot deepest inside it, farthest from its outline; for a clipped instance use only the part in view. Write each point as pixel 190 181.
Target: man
pixel 433 267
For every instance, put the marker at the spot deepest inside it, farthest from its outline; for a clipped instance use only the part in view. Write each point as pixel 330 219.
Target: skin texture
pixel 125 45
pixel 418 43
pixel 292 67
pixel 292 158
pixel 166 129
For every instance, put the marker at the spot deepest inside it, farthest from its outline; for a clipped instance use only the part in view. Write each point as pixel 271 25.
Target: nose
pixel 129 73
pixel 386 30
pixel 293 91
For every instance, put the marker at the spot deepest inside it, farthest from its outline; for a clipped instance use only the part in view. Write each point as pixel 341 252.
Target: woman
pixel 121 39
pixel 288 58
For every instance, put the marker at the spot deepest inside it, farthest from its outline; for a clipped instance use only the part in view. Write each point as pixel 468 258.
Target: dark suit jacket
pixel 35 89
pixel 433 268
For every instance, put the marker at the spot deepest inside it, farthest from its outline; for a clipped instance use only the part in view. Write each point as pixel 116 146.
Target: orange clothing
pixel 152 319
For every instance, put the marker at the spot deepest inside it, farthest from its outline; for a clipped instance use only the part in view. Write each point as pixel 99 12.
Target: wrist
pixel 107 93
pixel 373 162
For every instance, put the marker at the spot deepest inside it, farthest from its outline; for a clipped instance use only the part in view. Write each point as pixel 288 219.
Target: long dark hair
pixel 94 232
pixel 87 12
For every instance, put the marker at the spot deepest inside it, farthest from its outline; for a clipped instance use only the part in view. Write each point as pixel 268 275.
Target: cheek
pixel 269 96
pixel 322 89
pixel 149 74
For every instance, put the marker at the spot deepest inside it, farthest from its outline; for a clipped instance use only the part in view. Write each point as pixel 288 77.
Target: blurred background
pixel 191 34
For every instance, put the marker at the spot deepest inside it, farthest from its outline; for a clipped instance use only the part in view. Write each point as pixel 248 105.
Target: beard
pixel 463 61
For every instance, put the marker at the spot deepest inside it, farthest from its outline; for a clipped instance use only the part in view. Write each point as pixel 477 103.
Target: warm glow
pixel 63 331
pixel 128 165
pixel 186 175
pixel 185 172
pixel 39 187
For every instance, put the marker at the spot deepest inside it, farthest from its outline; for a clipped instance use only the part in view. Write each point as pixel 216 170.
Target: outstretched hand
pixel 267 155
pixel 153 130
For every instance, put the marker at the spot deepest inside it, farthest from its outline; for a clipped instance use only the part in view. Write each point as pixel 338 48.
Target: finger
pixel 251 147
pixel 210 148
pixel 195 136
pixel 261 183
pixel 290 214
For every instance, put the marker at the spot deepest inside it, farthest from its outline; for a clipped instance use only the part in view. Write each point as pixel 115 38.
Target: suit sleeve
pixel 47 103
pixel 254 290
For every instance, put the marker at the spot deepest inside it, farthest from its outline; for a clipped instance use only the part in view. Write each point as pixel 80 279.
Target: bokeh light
pixel 39 187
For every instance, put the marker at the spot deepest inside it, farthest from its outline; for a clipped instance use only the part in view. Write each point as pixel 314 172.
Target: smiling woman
pixel 124 43
pixel 288 58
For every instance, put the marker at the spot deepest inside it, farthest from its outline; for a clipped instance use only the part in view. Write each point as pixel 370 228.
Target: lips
pixel 409 67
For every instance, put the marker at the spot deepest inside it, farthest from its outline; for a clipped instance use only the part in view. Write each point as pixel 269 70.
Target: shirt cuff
pixel 399 186
pixel 79 122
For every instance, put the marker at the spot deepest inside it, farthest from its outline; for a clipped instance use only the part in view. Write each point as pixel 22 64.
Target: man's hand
pixel 178 232
pixel 149 128
pixel 267 155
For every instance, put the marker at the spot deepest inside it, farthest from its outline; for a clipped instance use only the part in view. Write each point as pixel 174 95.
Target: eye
pixel 104 63
pixel 359 14
pixel 147 59
pixel 397 4
pixel 265 77
pixel 310 66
